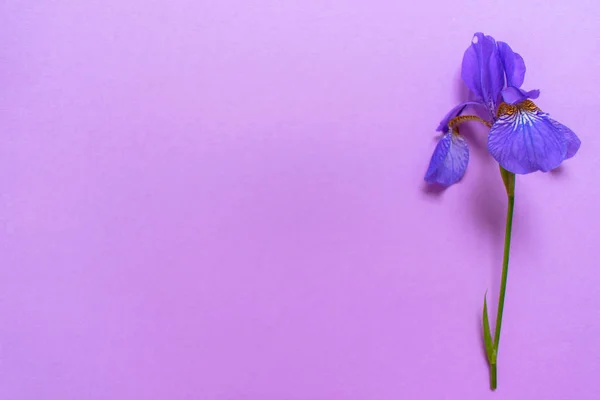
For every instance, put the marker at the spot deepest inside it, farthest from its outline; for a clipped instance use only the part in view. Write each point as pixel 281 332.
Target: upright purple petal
pixel 449 160
pixel 454 112
pixel 514 65
pixel 524 140
pixel 573 142
pixel 514 69
pixel 482 70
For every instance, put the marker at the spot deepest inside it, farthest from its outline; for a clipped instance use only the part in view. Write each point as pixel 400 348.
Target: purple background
pixel 224 200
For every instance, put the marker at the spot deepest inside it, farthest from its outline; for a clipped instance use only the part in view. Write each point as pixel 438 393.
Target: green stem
pixel 509 218
pixel 507 236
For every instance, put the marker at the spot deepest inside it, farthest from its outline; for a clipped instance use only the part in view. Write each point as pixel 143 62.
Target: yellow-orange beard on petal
pixel 510 109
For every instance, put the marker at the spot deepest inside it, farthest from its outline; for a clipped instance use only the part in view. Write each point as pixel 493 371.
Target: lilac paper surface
pixel 224 200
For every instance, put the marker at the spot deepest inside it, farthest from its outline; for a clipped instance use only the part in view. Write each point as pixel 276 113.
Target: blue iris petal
pixel 514 65
pixel 449 160
pixel 573 142
pixel 527 140
pixel 514 69
pixel 513 95
pixel 482 70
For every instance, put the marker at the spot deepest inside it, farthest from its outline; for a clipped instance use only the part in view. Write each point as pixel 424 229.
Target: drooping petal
pixel 449 160
pixel 482 69
pixel 514 65
pixel 573 142
pixel 454 112
pixel 514 95
pixel 524 140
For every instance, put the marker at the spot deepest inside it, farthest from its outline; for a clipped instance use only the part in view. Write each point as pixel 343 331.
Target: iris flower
pixel 522 138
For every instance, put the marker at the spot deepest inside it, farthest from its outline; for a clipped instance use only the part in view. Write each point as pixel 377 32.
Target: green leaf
pixel 487 336
pixel 509 181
